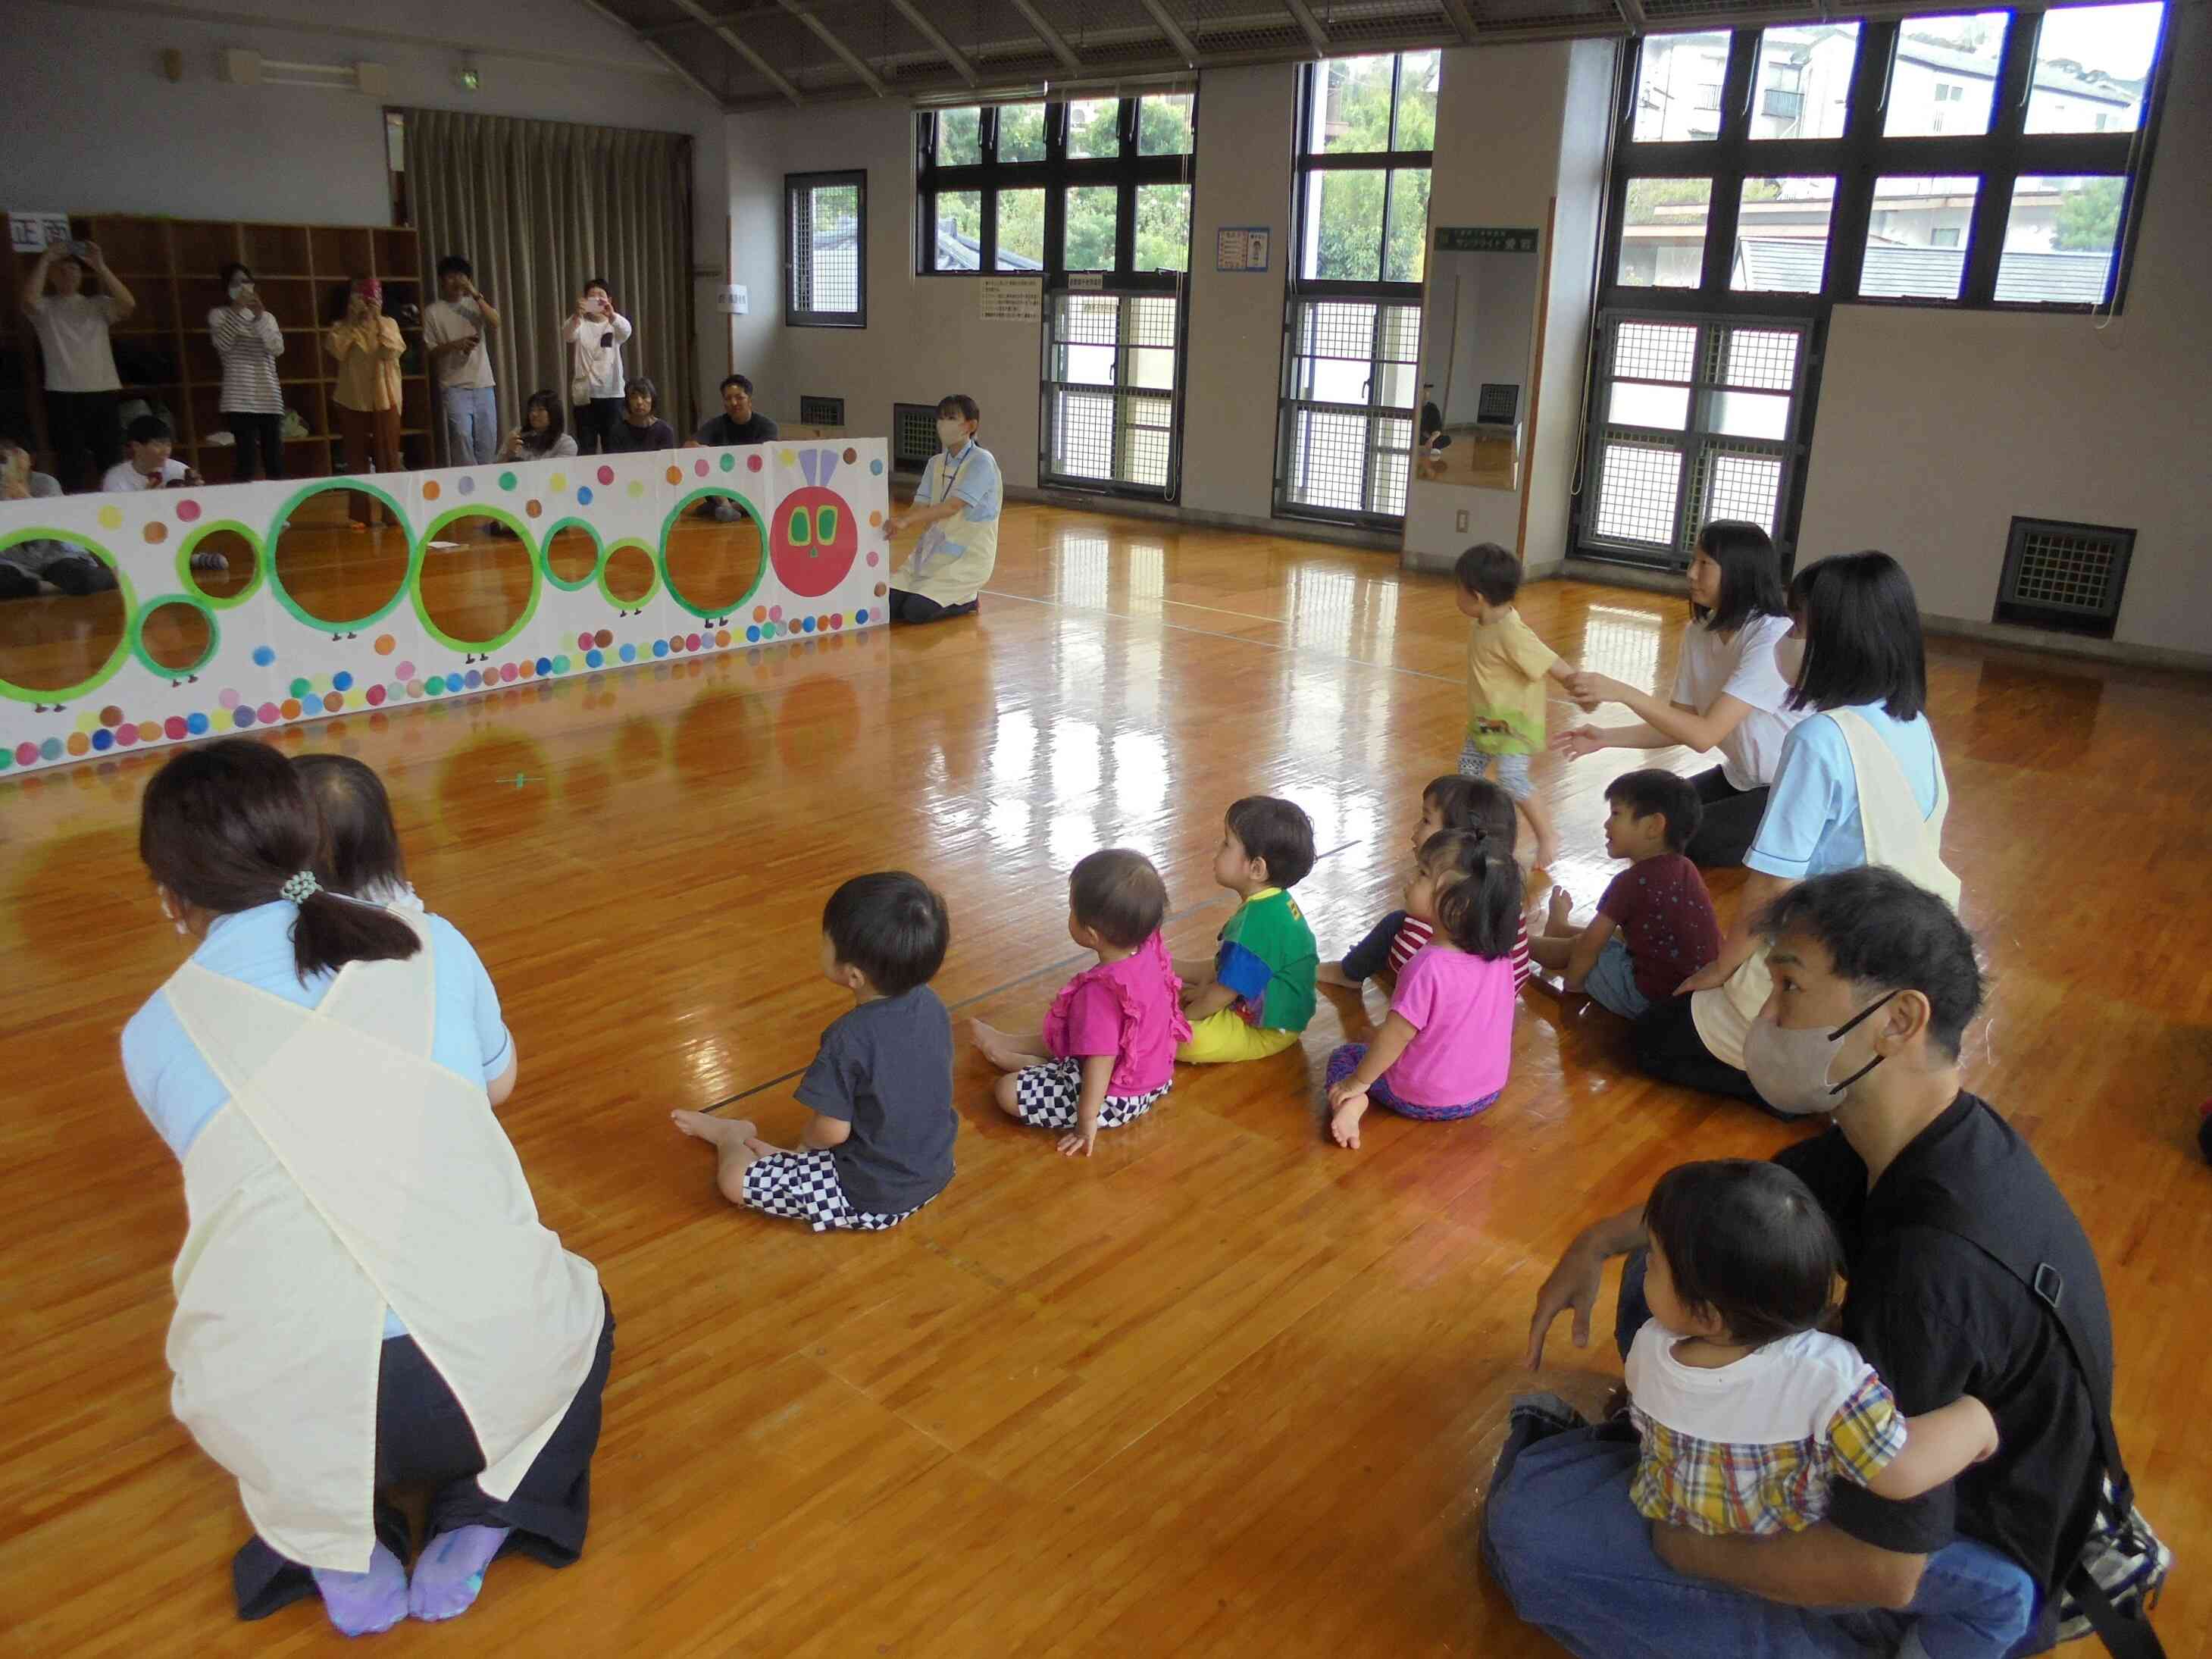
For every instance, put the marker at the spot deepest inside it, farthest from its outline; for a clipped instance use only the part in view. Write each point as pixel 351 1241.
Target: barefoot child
pixel 1444 1050
pixel 1750 1415
pixel 362 841
pixel 1506 667
pixel 1654 926
pixel 1107 1056
pixel 1449 803
pixel 878 1145
pixel 1255 996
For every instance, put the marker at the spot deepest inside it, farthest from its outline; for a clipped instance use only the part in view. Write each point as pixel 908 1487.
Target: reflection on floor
pixel 1222 1390
pixel 1471 458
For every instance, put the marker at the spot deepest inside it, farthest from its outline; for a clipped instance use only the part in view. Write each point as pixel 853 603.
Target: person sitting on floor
pixel 24 565
pixel 957 508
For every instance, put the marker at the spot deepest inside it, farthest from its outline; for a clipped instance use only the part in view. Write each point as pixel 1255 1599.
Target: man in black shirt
pixel 737 423
pixel 1875 982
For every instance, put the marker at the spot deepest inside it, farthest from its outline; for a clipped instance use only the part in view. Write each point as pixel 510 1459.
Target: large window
pixel 1765 175
pixel 825 232
pixel 1366 126
pixel 1092 196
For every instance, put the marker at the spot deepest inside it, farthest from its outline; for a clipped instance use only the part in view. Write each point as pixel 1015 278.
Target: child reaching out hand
pixel 1108 1054
pixel 1507 667
pixel 1447 1046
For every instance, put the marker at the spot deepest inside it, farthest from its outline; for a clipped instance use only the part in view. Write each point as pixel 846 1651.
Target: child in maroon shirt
pixel 1654 926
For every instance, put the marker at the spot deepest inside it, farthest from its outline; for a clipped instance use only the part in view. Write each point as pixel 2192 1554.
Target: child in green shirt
pixel 1255 996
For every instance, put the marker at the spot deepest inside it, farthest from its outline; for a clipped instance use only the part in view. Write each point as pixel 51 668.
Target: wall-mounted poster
pixel 1241 248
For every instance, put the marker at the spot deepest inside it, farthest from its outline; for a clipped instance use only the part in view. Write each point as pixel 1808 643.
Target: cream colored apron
pixel 348 1173
pixel 1896 838
pixel 955 558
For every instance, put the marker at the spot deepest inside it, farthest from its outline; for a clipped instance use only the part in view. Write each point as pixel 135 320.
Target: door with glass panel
pixel 1347 437
pixel 1111 391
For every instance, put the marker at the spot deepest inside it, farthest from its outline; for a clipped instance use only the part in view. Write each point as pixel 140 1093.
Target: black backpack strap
pixel 2124 1638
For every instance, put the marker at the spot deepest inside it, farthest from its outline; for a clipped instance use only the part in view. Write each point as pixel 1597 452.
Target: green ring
pixel 668 525
pixel 652 565
pixel 101 675
pixel 185 565
pixel 415 584
pixel 545 554
pixel 350 486
pixel 137 633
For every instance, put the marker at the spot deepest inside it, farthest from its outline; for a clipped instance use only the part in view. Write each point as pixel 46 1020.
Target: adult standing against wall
pixel 1860 783
pixel 596 333
pixel 366 1298
pixel 453 328
pixel 368 345
pixel 249 342
pixel 1729 691
pixel 81 384
pixel 957 508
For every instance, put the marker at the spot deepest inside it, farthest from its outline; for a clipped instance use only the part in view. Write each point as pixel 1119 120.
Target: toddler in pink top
pixel 1444 1050
pixel 1110 1037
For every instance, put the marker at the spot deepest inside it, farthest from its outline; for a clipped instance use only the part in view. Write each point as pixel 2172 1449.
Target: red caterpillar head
pixel 812 539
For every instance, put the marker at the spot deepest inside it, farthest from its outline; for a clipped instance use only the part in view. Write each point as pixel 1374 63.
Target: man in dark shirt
pixel 1875 982
pixel 737 423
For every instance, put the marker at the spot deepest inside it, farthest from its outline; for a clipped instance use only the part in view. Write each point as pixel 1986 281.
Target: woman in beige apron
pixel 1860 783
pixel 365 1296
pixel 955 507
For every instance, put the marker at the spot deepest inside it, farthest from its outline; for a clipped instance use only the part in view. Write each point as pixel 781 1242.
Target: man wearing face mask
pixel 1932 1195
pixel 956 510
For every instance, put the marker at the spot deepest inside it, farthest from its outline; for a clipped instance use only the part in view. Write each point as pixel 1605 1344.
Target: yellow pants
pixel 1219 1038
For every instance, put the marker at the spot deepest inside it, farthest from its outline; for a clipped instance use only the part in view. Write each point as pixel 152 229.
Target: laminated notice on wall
pixel 1241 248
pixel 1011 299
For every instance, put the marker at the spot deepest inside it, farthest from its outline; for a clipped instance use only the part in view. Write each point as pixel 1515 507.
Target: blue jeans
pixel 1372 954
pixel 1562 1539
pixel 471 423
pixel 1611 982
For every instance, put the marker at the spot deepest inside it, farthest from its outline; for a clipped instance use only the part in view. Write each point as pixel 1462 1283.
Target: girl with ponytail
pixel 1444 1050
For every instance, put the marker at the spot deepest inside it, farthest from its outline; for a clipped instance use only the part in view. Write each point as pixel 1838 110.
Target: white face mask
pixel 175 920
pixel 237 288
pixel 950 434
pixel 1789 1066
pixel 1790 658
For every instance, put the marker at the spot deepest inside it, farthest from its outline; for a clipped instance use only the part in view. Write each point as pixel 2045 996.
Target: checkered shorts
pixel 1047 1096
pixel 1512 769
pixel 804 1187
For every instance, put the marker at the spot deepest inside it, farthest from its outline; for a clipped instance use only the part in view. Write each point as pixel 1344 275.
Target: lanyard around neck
pixel 944 495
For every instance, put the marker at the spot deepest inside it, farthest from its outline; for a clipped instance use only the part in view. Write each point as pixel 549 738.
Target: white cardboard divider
pixel 819 505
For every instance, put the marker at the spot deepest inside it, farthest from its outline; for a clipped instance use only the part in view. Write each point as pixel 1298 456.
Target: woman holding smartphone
pixel 595 332
pixel 249 342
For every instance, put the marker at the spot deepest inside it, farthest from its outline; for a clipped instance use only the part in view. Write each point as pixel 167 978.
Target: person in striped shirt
pixel 1449 803
pixel 249 342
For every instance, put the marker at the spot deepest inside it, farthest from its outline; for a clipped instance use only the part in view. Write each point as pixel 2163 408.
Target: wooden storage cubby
pixel 165 354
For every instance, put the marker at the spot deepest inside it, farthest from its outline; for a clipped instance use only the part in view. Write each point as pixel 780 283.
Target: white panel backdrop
pixel 821 505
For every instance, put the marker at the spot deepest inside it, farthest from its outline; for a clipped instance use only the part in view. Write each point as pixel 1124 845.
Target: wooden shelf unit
pixel 165 353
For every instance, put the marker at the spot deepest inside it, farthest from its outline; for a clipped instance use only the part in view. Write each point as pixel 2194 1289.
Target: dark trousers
pixel 423 1438
pixel 1730 820
pixel 1668 1047
pixel 916 607
pixel 81 422
pixel 594 421
pixel 367 436
pixel 1372 954
pixel 261 445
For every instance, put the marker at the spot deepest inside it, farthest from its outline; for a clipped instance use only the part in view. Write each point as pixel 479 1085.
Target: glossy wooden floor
pixel 1222 1389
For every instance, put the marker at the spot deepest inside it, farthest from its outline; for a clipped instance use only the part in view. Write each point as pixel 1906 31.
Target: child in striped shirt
pixel 1474 805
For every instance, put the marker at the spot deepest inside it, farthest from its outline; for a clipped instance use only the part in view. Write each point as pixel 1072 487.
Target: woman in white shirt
pixel 1731 691
pixel 249 342
pixel 72 326
pixel 595 332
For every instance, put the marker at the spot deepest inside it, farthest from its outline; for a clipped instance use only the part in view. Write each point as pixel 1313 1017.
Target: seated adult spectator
pixel 739 422
pixel 640 427
pixel 24 565
pixel 956 507
pixel 539 438
pixel 1875 980
pixel 72 326
pixel 149 465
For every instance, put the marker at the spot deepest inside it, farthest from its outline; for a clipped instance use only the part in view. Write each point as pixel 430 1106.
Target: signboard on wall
pixel 1011 299
pixel 1241 248
pixel 29 233
pixel 1486 238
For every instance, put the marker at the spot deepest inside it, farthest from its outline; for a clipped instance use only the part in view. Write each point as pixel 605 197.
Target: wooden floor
pixel 1222 1389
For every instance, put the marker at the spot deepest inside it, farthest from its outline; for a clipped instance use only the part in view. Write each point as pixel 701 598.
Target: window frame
pixel 796 184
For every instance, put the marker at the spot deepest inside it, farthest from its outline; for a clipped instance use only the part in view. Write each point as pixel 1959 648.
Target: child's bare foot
pixel 1562 906
pixel 722 1131
pixel 996 1047
pixel 1332 973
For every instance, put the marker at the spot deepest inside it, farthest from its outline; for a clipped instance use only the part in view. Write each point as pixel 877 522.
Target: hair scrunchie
pixel 301 887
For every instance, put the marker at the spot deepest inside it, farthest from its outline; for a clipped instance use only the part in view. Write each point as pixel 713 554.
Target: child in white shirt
pixel 149 465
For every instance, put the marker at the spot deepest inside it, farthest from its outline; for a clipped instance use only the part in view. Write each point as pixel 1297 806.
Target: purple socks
pixel 450 1571
pixel 363 1603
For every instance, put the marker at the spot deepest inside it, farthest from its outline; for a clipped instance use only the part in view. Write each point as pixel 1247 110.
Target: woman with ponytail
pixel 363 1255
pixel 1444 1050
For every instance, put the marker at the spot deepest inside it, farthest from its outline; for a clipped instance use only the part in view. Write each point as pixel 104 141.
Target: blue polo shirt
pixel 1811 826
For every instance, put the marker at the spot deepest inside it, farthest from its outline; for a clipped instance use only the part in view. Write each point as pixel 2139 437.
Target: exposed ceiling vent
pixel 2067 577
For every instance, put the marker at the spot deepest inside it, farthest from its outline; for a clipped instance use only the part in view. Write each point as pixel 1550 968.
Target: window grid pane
pixel 1739 481
pixel 1917 237
pixel 1782 235
pixel 1112 409
pixel 1639 486
pixel 1762 359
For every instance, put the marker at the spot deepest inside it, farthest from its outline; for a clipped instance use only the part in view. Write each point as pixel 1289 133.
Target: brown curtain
pixel 538 207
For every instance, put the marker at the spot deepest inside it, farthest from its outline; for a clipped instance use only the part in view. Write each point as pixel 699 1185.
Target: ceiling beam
pixel 1176 37
pixel 1631 13
pixel 1310 24
pixel 1051 37
pixel 822 33
pixel 950 53
pixel 1463 21
pixel 729 37
pixel 659 51
pixel 712 20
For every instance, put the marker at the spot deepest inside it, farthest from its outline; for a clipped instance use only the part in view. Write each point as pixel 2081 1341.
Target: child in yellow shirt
pixel 1506 667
